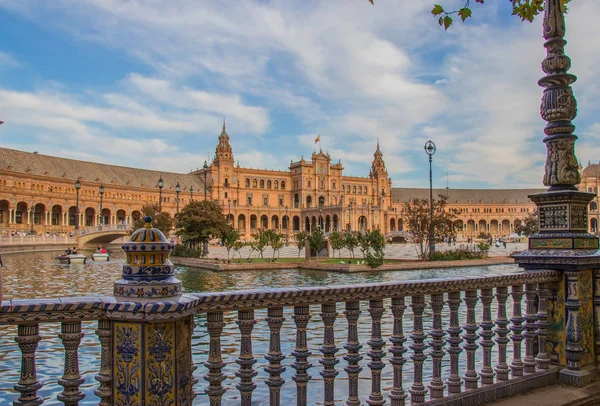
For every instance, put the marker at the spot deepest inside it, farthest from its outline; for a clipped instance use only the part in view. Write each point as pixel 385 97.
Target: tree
pixel 363 243
pixel 417 218
pixel 337 242
pixel 237 246
pixel 524 9
pixel 350 241
pixel 261 241
pixel 316 240
pixel 301 241
pixel 200 221
pixel 160 220
pixel 229 238
pixel 528 225
pixel 276 242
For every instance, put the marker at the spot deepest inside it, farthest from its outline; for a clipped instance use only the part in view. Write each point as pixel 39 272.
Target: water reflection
pixel 28 276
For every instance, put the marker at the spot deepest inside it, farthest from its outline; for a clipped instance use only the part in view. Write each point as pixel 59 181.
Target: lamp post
pixel 349 217
pixel 287 227
pixel 321 218
pixel 191 193
pixel 177 190
pixel 32 231
pixel 430 150
pixel 205 167
pixel 161 183
pixel 77 187
pixel 101 190
pixel 229 210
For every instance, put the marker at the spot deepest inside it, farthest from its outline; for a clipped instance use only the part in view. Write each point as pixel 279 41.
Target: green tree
pixel 160 220
pixel 364 243
pixel 377 246
pixel 229 238
pixel 337 242
pixel 526 10
pixel 276 241
pixel 301 241
pixel 237 246
pixel 261 241
pixel 350 241
pixel 315 241
pixel 417 219
pixel 200 221
pixel 529 225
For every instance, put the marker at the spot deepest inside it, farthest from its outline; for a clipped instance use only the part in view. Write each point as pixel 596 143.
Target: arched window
pixel 268 184
pixel 254 183
pixel 333 185
pixel 262 183
pixel 593 206
pixel 365 190
pixel 308 201
pixel 360 189
pixel 247 182
pixel 353 189
pixel 276 184
pixel 348 189
pixel 282 185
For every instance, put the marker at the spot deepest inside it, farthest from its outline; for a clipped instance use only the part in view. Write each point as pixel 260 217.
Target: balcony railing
pixel 457 329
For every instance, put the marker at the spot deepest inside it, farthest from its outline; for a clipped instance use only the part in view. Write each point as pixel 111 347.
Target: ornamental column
pixel 563 242
pixel 152 356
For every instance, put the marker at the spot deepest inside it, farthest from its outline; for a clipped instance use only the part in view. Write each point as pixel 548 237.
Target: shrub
pixel 185 252
pixel 454 255
pixel 483 246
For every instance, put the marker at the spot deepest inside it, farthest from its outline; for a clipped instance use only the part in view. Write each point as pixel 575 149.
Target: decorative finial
pixel 224 124
pixel 377 142
pixel 148 222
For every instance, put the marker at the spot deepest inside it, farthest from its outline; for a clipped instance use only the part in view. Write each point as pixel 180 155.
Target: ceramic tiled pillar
pixel 563 243
pixel 151 331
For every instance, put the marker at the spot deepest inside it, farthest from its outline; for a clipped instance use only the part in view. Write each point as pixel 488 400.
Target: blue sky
pixel 146 83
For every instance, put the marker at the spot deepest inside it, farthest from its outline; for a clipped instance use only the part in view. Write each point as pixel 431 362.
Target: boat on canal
pixel 71 259
pixel 100 257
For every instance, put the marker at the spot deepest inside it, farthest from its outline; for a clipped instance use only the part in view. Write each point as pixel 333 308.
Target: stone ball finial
pixel 148 274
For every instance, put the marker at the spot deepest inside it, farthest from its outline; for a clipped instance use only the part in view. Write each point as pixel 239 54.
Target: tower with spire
pixel 382 184
pixel 223 152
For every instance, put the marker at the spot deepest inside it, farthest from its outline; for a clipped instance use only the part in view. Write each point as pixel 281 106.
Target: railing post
pixel 152 326
pixel 301 365
pixel 328 349
pixel 275 356
pixel 71 335
pixel 417 390
pixel 246 359
pixel 104 391
pixel 502 331
pixel 397 394
pixel 376 343
pixel 353 357
pixel 470 336
pixel 436 386
pixel 516 327
pixel 454 381
pixel 214 363
pixel 28 338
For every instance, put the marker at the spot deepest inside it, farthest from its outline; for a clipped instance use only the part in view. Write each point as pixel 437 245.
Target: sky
pixel 147 83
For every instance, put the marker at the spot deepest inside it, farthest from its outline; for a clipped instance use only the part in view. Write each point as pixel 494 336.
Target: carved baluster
pixel 329 360
pixel 376 343
pixel 104 391
pixel 501 332
pixel 353 357
pixel 194 367
pixel 454 381
pixel 275 356
pixel 574 334
pixel 486 334
pixel 397 394
pixel 470 336
pixel 71 335
pixel 214 363
pixel 597 314
pixel 543 358
pixel 529 334
pixel 301 365
pixel 417 390
pixel 516 326
pixel 436 386
pixel 246 360
pixel 28 338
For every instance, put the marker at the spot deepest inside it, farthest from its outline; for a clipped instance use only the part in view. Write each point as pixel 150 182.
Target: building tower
pixel 382 184
pixel 222 172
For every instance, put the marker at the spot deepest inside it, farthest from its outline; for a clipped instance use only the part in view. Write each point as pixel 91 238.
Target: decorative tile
pixel 127 365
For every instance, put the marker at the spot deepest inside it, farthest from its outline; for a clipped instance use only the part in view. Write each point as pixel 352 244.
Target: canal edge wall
pixel 223 265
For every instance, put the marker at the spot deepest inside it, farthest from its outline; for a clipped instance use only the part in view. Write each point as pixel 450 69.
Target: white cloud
pixel 8 61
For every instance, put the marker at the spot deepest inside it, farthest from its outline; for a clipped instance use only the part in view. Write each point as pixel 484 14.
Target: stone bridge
pixel 395 236
pixel 101 235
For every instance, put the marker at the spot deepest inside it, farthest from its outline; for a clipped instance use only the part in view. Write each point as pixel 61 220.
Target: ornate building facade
pixel 37 192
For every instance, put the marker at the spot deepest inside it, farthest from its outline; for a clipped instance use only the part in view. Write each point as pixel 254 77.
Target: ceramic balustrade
pixel 475 341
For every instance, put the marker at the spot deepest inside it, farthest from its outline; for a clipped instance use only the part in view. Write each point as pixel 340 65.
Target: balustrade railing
pixel 104 228
pixel 423 342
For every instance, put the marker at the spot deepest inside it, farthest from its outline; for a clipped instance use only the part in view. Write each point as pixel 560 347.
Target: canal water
pixel 37 275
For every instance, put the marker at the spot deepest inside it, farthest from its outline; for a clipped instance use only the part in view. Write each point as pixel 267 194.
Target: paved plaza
pixel 392 251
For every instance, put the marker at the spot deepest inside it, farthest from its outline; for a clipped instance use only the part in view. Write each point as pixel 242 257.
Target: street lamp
pixel 287 227
pixel 77 187
pixel 101 194
pixel 191 193
pixel 205 167
pixel 161 183
pixel 177 190
pixel 430 150
pixel 32 218
pixel 229 213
